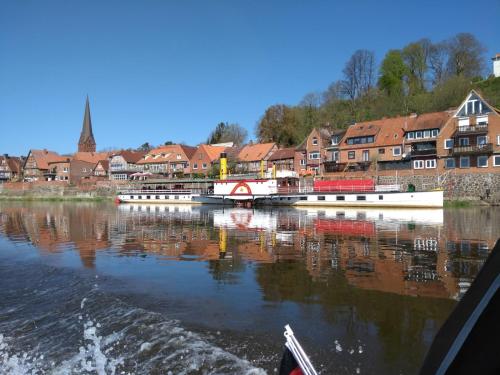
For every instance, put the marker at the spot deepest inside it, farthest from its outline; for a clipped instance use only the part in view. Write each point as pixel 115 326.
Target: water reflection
pixel 431 253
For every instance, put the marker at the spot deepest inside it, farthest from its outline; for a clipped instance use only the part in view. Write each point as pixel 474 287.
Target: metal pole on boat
pixel 299 354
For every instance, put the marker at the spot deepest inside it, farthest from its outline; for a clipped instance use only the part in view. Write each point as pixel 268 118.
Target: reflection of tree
pixel 400 321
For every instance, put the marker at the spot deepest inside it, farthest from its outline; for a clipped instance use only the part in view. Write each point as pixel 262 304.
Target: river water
pixel 94 288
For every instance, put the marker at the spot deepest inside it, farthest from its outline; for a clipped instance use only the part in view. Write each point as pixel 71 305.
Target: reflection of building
pixel 369 249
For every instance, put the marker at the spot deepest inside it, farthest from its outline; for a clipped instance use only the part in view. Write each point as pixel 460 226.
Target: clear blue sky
pixel 158 70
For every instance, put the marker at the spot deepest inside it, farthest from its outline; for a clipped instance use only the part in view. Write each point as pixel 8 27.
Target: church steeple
pixel 87 141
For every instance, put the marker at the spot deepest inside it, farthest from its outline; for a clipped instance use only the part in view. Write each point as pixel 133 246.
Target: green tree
pixel 279 124
pixel 393 72
pixel 416 55
pixel 145 147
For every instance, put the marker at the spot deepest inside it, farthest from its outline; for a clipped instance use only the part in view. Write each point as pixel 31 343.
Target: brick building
pixel 168 161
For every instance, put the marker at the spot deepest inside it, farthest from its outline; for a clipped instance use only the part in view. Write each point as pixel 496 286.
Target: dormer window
pixel 335 140
pixel 315 141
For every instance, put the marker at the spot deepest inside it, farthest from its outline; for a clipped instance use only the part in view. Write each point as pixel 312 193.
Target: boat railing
pixel 337 189
pixel 149 192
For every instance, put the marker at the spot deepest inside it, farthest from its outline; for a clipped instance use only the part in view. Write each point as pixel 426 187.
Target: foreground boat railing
pixel 298 353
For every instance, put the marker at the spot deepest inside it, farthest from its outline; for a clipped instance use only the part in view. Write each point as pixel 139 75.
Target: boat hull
pixel 423 199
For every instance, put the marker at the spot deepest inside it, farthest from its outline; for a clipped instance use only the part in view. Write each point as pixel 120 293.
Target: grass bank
pixel 458 203
pixel 28 198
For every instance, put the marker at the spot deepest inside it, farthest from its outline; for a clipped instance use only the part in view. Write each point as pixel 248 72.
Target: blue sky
pixel 158 70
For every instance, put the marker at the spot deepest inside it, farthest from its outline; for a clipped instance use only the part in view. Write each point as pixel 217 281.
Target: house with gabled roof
pixel 36 165
pixel 169 161
pixel 10 168
pixel 319 151
pixel 470 141
pixel 124 163
pixel 205 157
pixel 251 156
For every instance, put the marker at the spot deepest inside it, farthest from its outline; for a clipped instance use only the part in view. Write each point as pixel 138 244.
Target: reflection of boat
pixel 430 216
pixel 239 218
pixel 155 208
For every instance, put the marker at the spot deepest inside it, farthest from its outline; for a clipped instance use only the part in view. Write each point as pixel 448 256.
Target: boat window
pixel 167 197
pixel 321 197
pixel 361 197
pixel 340 197
pixel 303 198
pixel 380 197
pixel 139 197
pixel 157 197
pixel 131 197
pixel 176 197
pixel 148 196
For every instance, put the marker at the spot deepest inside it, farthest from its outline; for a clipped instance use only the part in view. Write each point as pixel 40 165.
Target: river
pixel 94 288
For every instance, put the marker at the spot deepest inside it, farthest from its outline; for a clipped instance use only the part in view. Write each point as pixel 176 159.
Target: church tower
pixel 87 141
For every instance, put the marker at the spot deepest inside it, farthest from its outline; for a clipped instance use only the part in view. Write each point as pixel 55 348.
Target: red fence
pixel 344 185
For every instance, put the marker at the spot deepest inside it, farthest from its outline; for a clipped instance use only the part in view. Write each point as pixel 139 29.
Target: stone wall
pixel 55 190
pixel 456 186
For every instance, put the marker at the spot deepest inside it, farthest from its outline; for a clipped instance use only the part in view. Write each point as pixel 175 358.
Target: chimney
pixel 496 65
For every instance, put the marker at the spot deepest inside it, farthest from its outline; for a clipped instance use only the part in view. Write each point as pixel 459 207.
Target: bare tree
pixel 359 74
pixel 225 132
pixel 465 56
pixel 438 59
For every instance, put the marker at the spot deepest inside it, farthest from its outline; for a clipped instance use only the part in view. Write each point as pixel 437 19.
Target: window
pixel 313 155
pixel 380 197
pixel 410 135
pixel 315 141
pixel 431 163
pixel 335 140
pixel 157 197
pixel 131 197
pixel 448 143
pixel 321 197
pixel 498 140
pixel 204 165
pixel 340 197
pixel 351 155
pixel 65 169
pixel 335 156
pixel 361 197
pixel 381 151
pixel 302 162
pixel 419 135
pixel 178 156
pixel 463 141
pixel 396 151
pixel 366 155
pixel 482 161
pixel 427 134
pixel 434 133
pixel 496 160
pixel 418 164
pixel 303 198
pixel 481 140
pixel 449 163
pixel 195 165
pixel 464 162
pixel 148 196
pixel 482 120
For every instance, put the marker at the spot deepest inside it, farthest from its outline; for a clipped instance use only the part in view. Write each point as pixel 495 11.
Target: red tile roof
pixel 131 156
pixel 284 153
pixel 91 157
pixel 255 152
pixel 43 157
pixel 165 154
